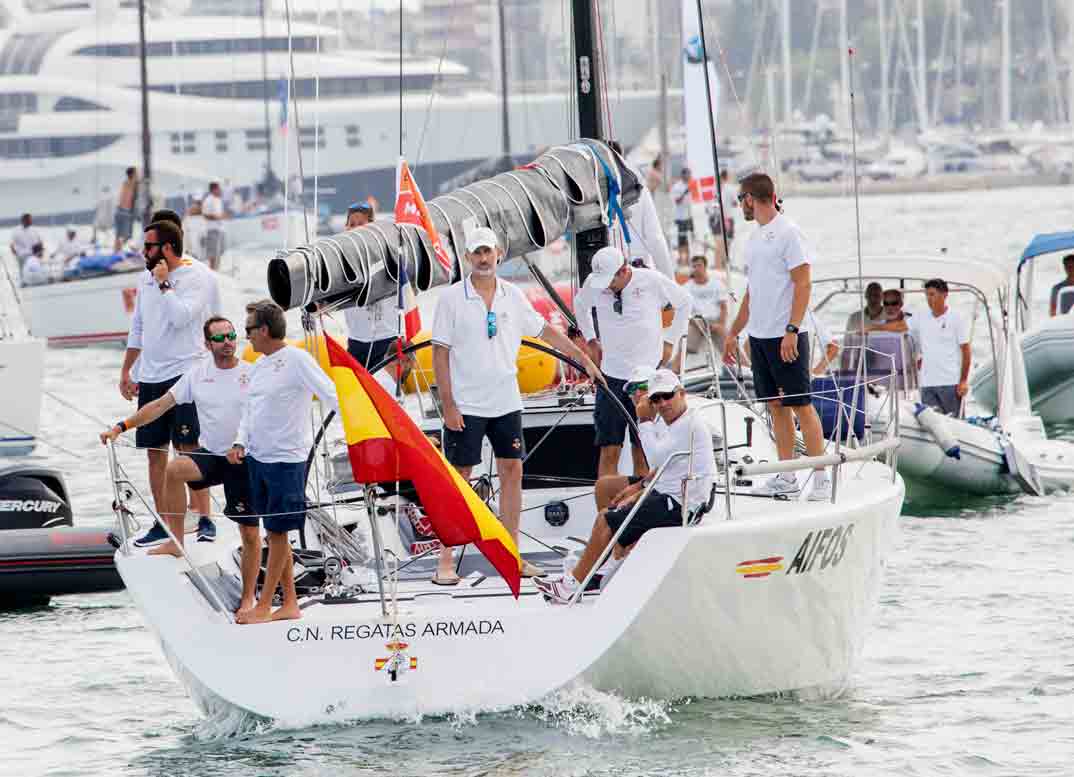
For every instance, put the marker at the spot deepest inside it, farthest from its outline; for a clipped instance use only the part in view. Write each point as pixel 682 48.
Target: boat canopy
pixel 980 275
pixel 1047 244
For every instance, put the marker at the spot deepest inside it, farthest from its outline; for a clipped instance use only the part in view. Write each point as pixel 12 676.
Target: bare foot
pixel 256 615
pixel 245 606
pixel 289 612
pixel 167 549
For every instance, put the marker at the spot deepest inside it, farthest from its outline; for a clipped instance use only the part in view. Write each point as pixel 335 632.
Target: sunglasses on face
pixel 150 244
pixel 742 196
pixel 632 388
pixel 892 303
pixel 226 337
pixel 490 324
pixel 617 306
pixel 360 207
pixel 656 399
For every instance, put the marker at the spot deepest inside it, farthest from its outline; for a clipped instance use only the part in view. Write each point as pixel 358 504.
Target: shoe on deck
pixel 155 536
pixel 531 570
pixel 206 529
pixel 559 591
pixel 778 485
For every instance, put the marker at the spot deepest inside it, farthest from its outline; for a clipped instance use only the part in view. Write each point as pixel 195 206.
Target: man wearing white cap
pixel 479 326
pixel 620 312
pixel 686 481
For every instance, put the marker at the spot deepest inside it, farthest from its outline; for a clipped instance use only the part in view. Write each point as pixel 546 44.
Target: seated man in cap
pixel 683 486
pixel 359 214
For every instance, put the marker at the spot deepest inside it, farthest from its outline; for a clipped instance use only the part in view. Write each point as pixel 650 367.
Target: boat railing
pixel 122 488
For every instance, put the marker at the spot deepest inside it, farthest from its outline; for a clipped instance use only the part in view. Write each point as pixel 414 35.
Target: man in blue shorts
pixel 274 438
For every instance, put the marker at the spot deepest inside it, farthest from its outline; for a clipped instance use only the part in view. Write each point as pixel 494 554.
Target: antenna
pixel 854 171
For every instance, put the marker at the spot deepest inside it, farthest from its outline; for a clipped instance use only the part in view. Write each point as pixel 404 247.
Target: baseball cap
pixel 640 375
pixel 482 237
pixel 663 382
pixel 606 263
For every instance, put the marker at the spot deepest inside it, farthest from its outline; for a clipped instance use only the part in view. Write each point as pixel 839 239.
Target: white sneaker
pixel 782 484
pixel 611 566
pixel 559 591
pixel 822 490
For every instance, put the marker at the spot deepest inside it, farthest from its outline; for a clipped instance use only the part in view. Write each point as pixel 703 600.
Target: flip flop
pixel 531 570
pixel 436 580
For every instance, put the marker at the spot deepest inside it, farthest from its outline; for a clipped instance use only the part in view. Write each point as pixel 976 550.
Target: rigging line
pixel 293 100
pixel 436 84
pixel 712 133
pixel 400 96
pixel 41 438
pixel 751 144
pixel 76 409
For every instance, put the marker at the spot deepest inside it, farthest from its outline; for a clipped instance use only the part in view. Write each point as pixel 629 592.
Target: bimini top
pixel 1047 244
pixel 984 276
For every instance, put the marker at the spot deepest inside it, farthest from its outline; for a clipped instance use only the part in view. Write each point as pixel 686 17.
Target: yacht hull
pixel 89 311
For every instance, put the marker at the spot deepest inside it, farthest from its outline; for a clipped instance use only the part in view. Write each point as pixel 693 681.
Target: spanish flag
pixel 385 445
pixel 410 209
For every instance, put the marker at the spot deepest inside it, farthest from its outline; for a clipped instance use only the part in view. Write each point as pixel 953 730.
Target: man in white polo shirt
pixel 274 438
pixel 479 326
pixel 23 239
pixel 175 297
pixel 773 311
pixel 620 312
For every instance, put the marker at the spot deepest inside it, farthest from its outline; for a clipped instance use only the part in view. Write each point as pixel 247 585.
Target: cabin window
pixel 77 104
pixel 44 148
pixel 183 142
pixel 256 140
pixel 187 48
pixel 354 136
pixel 221 141
pixel 311 136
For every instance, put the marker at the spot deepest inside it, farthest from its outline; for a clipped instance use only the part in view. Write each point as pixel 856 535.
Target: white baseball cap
pixel 664 382
pixel 482 237
pixel 606 263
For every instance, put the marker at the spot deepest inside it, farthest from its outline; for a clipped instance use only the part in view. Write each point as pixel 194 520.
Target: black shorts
pixel 217 470
pixel 370 354
pixel 686 228
pixel 178 426
pixel 608 420
pixel 463 449
pixel 773 377
pixel 657 511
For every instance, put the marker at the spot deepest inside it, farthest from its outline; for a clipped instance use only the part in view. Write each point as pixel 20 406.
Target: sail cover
pixel 564 189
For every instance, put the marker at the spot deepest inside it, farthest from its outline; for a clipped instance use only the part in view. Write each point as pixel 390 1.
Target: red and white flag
pixel 410 209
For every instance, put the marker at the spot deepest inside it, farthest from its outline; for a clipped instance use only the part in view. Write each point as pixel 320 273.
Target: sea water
pixel 968 668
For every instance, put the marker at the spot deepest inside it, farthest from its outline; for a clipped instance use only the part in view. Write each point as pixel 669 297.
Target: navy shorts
pixel 216 470
pixel 370 354
pixel 278 492
pixel 463 449
pixel 942 398
pixel 773 377
pixel 608 420
pixel 179 426
pixel 686 229
pixel 657 511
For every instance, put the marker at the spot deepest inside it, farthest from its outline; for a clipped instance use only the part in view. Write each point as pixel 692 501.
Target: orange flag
pixel 410 209
pixel 385 445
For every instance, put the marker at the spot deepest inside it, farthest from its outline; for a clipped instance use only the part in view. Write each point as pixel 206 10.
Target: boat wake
pixel 581 710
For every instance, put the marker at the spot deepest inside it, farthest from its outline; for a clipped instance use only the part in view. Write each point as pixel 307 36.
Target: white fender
pixel 933 423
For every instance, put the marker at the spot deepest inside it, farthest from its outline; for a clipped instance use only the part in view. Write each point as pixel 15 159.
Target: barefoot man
pixel 217 387
pixel 274 438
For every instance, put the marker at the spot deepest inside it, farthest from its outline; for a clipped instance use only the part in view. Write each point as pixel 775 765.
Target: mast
pixel 269 177
pixel 884 118
pixel 844 66
pixel 147 150
pixel 1005 65
pixel 503 86
pixel 785 41
pixel 589 87
pixel 959 48
pixel 922 72
pixel 1070 59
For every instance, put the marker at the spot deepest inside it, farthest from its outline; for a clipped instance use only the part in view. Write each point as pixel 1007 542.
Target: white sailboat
pixel 22 364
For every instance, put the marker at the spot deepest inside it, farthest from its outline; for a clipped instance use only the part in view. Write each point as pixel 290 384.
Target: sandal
pixel 437 580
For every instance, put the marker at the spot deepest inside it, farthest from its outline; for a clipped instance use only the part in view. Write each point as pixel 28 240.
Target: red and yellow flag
pixel 410 209
pixel 385 445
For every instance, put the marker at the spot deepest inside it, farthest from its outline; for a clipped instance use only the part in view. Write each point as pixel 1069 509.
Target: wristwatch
pixel 792 329
pixel 163 285
pixel 122 425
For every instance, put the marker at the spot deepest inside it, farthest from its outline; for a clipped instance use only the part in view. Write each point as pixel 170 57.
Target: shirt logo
pixel 244 380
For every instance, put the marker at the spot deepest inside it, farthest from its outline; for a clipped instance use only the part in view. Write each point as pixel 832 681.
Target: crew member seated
pixel 686 481
pixel 1061 303
pixel 874 310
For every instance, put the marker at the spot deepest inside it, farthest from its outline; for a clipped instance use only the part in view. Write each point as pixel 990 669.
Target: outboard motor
pixel 33 497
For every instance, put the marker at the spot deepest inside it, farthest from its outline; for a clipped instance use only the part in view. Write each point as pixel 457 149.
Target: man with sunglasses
pixel 217 388
pixel 477 331
pixel 686 483
pixel 359 214
pixel 621 317
pixel 773 310
pixel 175 297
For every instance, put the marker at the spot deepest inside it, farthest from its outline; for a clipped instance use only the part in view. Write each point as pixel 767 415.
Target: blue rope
pixel 615 210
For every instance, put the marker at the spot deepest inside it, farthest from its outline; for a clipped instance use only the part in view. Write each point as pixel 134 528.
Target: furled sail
pixel 572 187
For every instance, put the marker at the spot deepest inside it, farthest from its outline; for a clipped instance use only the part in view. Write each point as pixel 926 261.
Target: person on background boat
pixel 23 239
pixel 477 332
pixel 654 179
pixel 709 302
pixel 212 210
pixel 175 297
pixel 684 218
pixel 359 214
pixel 124 215
pixel 69 249
pixel 1062 307
pixel 773 312
pixel 217 388
pixel 274 438
pixel 686 481
pixel 621 317
pixel 874 310
pixel 34 271
pixel 942 337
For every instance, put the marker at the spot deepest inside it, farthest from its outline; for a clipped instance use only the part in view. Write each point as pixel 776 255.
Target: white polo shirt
pixel 275 425
pixel 378 321
pixel 24 239
pixel 939 340
pixel 681 197
pixel 167 325
pixel 707 297
pixel 218 395
pixel 772 251
pixel 688 432
pixel 483 368
pixel 212 205
pixel 635 337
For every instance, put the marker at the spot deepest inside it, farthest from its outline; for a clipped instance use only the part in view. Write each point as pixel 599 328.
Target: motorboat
pixel 42 554
pixel 22 366
pixel 974 453
pixel 1047 343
